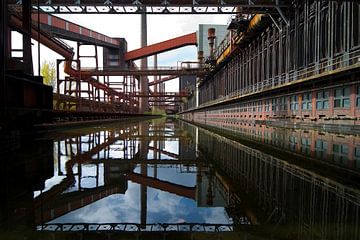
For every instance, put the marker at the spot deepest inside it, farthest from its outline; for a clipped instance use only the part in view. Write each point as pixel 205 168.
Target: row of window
pixel 341 99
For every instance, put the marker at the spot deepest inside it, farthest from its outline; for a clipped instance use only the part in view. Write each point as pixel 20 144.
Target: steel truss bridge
pixel 157 6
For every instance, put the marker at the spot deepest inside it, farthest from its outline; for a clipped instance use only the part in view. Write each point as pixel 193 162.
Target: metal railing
pixel 323 68
pixel 135 227
pixel 180 67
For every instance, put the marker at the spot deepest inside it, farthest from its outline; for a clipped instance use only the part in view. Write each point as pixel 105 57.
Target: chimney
pixel 211 39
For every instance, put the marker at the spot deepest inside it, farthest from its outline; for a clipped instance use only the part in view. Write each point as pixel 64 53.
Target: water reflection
pixel 137 173
pixel 165 175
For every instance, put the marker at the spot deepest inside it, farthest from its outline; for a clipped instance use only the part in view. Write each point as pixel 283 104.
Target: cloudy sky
pixel 160 28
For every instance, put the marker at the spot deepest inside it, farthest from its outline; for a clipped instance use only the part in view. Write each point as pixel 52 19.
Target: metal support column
pixel 27 55
pixel 156 86
pixel 3 56
pixel 144 88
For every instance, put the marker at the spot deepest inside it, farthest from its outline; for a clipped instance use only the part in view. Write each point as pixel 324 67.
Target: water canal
pixel 171 179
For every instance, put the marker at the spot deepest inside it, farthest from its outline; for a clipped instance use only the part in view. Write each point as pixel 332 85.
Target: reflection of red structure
pixel 177 189
pixel 73 201
pixel 170 154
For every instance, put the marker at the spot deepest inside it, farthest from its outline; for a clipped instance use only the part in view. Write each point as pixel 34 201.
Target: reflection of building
pixel 188 84
pixel 209 190
pixel 284 193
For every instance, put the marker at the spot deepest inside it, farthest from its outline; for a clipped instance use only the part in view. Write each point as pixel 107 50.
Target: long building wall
pixel 307 70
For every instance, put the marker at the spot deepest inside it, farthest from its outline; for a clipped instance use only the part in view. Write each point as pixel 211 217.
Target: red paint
pixel 189 39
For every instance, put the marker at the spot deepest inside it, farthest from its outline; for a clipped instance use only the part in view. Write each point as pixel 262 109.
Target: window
pixel 320 148
pixel 357 157
pixel 274 106
pixel 358 96
pixel 293 142
pixel 267 106
pixel 340 153
pixel 259 108
pixel 282 104
pixel 306 101
pixel 342 97
pixel 322 100
pixel 305 145
pixel 294 105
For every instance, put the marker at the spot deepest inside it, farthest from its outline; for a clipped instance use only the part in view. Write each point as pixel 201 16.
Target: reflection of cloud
pixel 162 207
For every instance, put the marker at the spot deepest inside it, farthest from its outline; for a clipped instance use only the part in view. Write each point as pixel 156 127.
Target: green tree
pixel 49 73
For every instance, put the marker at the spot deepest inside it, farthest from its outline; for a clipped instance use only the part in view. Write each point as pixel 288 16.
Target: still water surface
pixel 164 175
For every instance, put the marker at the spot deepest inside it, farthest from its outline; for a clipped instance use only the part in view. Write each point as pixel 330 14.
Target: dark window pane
pixel 357 152
pixel 324 145
pixel 346 92
pixel 337 103
pixel 319 95
pixel 346 102
pixel 319 144
pixel 326 94
pixel 338 92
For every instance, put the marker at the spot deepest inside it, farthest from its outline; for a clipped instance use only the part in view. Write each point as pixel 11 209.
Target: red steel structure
pixel 189 39
pixel 91 90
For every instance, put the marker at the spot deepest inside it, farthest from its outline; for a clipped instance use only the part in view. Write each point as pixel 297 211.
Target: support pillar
pixel 143 150
pixel 144 85
pixel 3 56
pixel 156 86
pixel 26 25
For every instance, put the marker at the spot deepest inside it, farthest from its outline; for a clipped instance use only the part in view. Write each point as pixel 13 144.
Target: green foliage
pixel 49 73
pixel 158 111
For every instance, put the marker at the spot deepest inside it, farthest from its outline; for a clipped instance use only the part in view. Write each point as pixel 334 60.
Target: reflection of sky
pixel 163 207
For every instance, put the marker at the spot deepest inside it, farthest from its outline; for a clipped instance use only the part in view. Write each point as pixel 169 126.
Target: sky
pixel 160 28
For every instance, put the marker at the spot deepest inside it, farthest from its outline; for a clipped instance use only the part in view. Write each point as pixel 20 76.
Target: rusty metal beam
pixel 162 94
pixel 146 72
pixel 185 40
pixel 162 80
pixel 72 31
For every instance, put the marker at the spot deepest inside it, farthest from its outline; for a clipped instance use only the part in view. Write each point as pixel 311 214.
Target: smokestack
pixel 201 58
pixel 211 39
